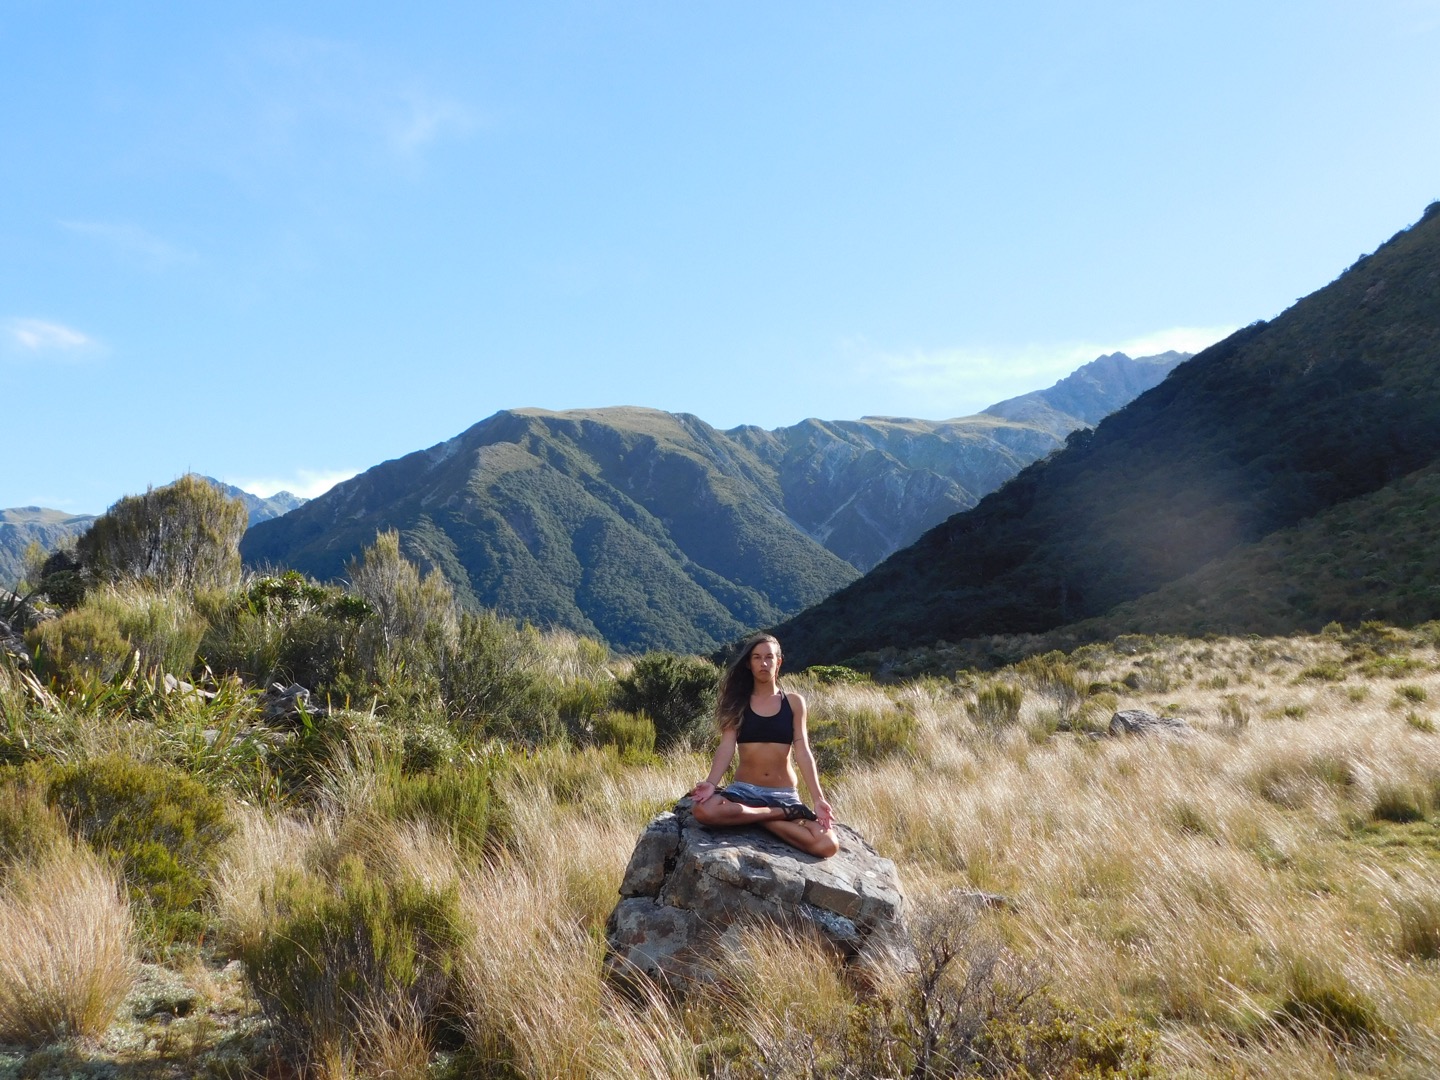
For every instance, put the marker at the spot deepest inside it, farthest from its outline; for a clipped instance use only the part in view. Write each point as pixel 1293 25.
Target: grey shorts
pixel 756 795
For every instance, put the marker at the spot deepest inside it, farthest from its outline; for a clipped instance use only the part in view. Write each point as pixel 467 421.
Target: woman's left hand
pixel 825 817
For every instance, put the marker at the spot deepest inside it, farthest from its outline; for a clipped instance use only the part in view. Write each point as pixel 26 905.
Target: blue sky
pixel 280 243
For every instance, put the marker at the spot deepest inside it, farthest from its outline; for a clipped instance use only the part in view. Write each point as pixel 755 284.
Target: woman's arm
pixel 723 753
pixel 805 761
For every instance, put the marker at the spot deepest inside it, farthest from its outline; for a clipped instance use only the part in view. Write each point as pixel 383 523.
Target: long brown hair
pixel 738 683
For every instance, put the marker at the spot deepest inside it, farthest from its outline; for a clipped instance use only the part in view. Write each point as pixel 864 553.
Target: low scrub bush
pixel 162 827
pixel 493 684
pixel 1419 926
pixel 83 645
pixel 676 692
pixel 30 828
pixel 345 964
pixel 1400 802
pixel 1320 998
pixel 1324 671
pixel 162 627
pixel 66 962
pixel 1053 677
pixel 833 674
pixel 996 706
pixel 453 801
pixel 847 735
pixel 284 628
pixel 632 734
pixel 581 701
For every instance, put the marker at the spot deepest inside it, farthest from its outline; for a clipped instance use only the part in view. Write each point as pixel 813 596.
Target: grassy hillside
pixel 1330 401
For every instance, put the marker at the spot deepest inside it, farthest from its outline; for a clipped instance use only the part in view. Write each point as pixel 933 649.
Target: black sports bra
pixel 779 728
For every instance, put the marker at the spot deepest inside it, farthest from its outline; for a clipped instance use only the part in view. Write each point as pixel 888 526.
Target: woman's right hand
pixel 702 791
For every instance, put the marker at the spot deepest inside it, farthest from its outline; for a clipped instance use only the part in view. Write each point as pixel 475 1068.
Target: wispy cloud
pixel 419 118
pixel 133 243
pixel 307 483
pixel 41 338
pixel 302 89
pixel 961 380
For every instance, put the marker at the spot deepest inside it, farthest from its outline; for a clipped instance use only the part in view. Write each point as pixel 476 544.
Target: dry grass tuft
pixel 66 952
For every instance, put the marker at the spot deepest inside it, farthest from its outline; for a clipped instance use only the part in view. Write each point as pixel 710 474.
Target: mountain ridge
pixel 652 529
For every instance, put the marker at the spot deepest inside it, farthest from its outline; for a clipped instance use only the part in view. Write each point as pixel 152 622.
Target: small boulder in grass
pixel 1144 722
pixel 689 889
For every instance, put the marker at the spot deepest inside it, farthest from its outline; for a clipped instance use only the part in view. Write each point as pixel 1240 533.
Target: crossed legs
pixel 805 835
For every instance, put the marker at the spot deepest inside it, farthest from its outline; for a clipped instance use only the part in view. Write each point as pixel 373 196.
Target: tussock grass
pixel 66 955
pixel 1261 895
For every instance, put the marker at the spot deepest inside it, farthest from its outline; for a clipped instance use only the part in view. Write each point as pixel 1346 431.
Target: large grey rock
pixel 688 889
pixel 1144 722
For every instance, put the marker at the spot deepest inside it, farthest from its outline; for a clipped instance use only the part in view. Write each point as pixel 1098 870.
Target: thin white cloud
pixel 41 338
pixel 133 243
pixel 962 380
pixel 421 118
pixel 307 483
pixel 304 90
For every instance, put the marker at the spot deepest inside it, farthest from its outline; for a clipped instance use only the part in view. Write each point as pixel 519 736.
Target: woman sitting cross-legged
pixel 763 724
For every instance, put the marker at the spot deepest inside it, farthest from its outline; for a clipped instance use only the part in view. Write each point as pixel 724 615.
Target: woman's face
pixel 765 661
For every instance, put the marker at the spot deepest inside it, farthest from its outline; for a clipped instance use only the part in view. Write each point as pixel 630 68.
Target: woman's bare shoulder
pixel 797 700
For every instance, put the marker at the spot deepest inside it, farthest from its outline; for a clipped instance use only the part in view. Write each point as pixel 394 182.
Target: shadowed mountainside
pixel 1332 400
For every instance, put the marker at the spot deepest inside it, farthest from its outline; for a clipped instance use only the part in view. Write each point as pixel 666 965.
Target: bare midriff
pixel 765 763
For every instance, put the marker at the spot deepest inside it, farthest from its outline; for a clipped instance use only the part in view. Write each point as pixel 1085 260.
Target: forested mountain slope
pixel 1332 400
pixel 655 530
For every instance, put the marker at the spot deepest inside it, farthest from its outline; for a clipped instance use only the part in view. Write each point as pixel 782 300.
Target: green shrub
pixel 1052 676
pixel 414 620
pixel 676 692
pixel 30 828
pixel 427 747
pixel 162 627
pixel 996 706
pixel 1411 692
pixel 1320 999
pixel 1324 671
pixel 162 827
pixel 632 734
pixel 84 645
pixel 1400 802
pixel 579 701
pixel 831 674
pixel 1419 917
pixel 344 961
pixel 1420 722
pixel 492 684
pixel 186 535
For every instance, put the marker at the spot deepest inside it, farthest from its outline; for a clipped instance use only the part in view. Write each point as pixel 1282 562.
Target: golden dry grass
pixel 66 952
pixel 1262 895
